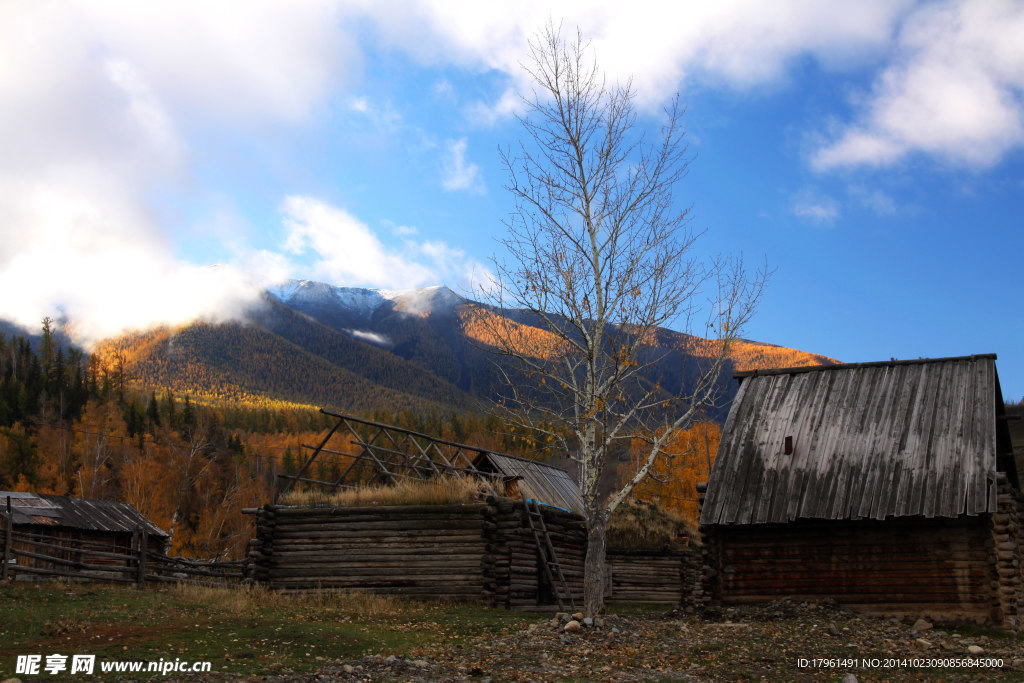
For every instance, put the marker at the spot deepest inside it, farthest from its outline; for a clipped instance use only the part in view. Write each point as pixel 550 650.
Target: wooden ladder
pixel 549 560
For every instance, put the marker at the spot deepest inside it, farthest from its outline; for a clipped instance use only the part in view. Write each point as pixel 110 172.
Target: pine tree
pixel 288 465
pixel 188 416
pixel 153 414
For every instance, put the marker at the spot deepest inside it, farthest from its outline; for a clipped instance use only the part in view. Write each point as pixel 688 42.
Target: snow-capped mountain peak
pixel 364 302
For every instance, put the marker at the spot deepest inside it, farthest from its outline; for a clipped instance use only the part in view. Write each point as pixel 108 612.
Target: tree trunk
pixel 594 568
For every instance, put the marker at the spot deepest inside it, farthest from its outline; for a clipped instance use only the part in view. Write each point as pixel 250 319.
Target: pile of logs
pixel 1008 542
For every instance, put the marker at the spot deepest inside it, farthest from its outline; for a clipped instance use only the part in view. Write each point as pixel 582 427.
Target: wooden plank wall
pixel 940 567
pixel 661 578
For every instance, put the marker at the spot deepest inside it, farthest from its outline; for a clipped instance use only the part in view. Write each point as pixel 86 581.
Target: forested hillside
pixel 355 350
pixel 239 362
pixel 72 425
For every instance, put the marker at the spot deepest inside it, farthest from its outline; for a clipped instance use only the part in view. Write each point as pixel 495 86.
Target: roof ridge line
pixel 850 366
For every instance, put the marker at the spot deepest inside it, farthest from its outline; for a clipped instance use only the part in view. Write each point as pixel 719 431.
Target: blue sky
pixel 871 153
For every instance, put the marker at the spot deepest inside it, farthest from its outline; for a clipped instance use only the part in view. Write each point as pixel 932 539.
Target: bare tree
pixel 599 256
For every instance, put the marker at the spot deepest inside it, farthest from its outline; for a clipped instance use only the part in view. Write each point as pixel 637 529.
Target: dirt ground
pixel 779 641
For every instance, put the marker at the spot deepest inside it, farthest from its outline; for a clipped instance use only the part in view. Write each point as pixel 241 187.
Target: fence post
pixel 143 543
pixel 8 530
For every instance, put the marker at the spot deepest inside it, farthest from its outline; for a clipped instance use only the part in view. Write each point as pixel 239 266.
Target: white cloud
pixel 815 209
pixel 95 97
pixel 99 100
pixel 372 337
pixel 444 89
pixel 95 261
pixel 875 200
pixel 382 116
pixel 400 230
pixel 509 104
pixel 951 83
pixel 955 91
pixel 258 59
pixel 663 46
pixel 460 174
pixel 347 252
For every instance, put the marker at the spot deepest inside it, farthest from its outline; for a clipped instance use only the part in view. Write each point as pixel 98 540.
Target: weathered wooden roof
pixel 74 513
pixel 868 441
pixel 544 483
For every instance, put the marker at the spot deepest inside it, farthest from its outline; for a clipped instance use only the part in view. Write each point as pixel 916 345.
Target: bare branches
pixel 599 258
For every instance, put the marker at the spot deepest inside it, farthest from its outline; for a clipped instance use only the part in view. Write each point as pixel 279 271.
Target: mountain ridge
pixel 353 348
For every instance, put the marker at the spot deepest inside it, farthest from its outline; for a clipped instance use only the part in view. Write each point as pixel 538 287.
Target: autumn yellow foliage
pixel 685 462
pixel 485 327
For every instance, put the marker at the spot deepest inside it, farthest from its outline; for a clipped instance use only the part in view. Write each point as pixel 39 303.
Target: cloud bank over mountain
pixel 111 109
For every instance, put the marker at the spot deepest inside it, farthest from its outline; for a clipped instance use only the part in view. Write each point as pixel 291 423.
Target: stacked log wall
pixel 639 577
pixel 1008 547
pixel 465 552
pixel 661 578
pixel 694 594
pixel 428 551
pixel 513 573
pixel 944 568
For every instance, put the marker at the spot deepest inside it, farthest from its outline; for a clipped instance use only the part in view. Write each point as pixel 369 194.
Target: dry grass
pixel 642 526
pixel 248 600
pixel 436 491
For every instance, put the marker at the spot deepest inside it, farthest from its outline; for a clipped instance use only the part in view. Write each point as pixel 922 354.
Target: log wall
pixel 1008 549
pixel 655 578
pixel 430 551
pixel 473 552
pixel 661 578
pixel 944 568
pixel 514 578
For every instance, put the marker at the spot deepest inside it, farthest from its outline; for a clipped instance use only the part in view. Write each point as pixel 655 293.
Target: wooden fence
pixel 28 554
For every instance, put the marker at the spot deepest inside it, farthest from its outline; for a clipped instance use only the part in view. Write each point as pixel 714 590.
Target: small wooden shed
pixel 89 529
pixel 533 480
pixel 889 487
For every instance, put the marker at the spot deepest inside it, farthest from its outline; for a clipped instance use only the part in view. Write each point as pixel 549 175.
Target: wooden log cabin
pixel 91 530
pixel 484 551
pixel 521 550
pixel 889 487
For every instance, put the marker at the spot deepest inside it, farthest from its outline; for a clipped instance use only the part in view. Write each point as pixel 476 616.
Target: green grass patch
pixel 239 630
